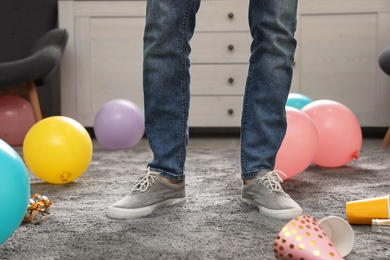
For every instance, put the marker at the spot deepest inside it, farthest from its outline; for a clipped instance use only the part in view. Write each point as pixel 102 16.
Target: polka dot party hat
pixel 303 239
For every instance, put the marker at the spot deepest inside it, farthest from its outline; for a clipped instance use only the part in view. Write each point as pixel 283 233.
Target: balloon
pixel 16 118
pixel 299 144
pixel 119 124
pixel 14 191
pixel 297 100
pixel 57 149
pixel 340 135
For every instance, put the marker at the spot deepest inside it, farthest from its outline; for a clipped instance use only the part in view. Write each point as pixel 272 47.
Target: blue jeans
pixel 169 28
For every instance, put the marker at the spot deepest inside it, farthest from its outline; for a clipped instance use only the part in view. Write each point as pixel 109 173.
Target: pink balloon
pixel 299 144
pixel 119 124
pixel 16 118
pixel 340 134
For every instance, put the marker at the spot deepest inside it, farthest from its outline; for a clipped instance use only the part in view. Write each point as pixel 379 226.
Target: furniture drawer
pixel 223 16
pixel 220 79
pixel 221 47
pixel 215 111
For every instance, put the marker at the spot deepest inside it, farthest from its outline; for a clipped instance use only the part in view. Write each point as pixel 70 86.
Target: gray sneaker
pixel 149 193
pixel 266 194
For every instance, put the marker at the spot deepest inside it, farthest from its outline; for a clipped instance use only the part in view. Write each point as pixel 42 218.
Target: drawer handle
pixel 230 15
pixel 230 111
pixel 231 80
pixel 230 47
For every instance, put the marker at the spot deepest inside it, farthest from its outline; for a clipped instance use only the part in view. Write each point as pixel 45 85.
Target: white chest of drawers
pixel 338 45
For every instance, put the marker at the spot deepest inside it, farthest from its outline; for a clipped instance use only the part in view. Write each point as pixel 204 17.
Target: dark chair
pixel 384 64
pixel 31 47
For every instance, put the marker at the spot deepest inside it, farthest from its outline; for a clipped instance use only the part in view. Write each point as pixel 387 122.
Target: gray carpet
pixel 213 224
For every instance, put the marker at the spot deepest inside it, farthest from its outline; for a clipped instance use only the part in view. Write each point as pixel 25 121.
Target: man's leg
pixel 272 25
pixel 169 27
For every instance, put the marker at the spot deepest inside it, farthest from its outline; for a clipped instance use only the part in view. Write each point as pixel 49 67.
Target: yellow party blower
pixel 364 211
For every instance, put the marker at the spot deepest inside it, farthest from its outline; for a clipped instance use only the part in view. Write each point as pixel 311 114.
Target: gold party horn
pixel 37 204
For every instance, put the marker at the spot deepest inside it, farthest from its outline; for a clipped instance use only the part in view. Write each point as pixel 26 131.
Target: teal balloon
pixel 14 191
pixel 297 100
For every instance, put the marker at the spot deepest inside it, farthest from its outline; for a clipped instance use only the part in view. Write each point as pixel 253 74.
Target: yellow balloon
pixel 57 149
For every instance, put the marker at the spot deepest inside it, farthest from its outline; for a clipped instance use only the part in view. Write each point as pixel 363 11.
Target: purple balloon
pixel 119 124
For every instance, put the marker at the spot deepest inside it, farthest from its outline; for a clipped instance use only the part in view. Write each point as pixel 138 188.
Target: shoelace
pixel 272 181
pixel 145 181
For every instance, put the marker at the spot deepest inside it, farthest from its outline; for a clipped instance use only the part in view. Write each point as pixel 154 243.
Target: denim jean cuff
pixel 168 175
pixel 251 175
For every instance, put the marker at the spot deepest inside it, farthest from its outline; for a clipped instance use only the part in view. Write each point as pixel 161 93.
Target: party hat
pixel 339 232
pixel 303 238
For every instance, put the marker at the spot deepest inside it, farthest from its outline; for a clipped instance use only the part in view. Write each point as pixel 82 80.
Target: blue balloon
pixel 297 100
pixel 14 191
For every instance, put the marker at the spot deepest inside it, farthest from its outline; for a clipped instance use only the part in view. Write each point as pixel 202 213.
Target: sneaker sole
pixel 121 213
pixel 279 214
